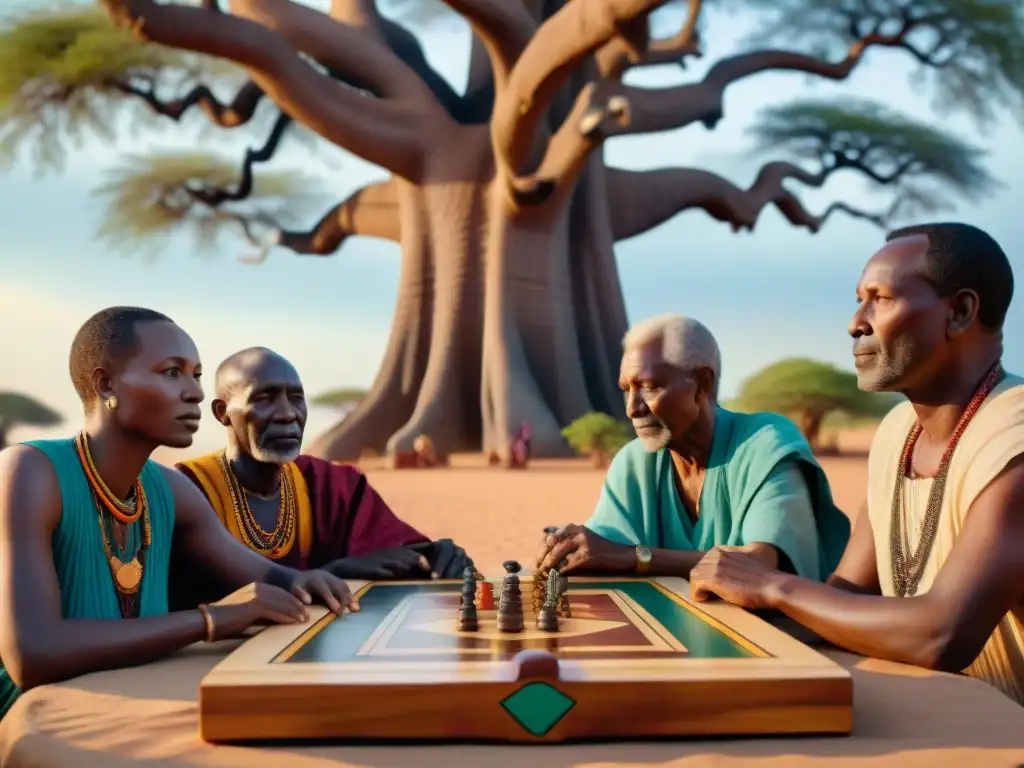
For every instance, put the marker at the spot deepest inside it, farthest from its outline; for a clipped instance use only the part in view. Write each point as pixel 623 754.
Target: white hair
pixel 685 343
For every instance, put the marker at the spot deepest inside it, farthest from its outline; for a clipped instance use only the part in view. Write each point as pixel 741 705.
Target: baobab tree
pixel 509 308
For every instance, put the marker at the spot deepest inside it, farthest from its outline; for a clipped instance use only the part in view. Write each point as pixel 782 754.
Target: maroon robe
pixel 349 517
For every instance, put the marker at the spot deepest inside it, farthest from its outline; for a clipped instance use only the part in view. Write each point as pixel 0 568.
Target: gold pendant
pixel 126 575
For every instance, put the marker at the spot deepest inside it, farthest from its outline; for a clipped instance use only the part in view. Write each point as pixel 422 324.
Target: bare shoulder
pixel 188 498
pixel 29 489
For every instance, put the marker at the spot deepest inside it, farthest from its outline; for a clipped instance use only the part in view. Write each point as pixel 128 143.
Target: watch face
pixel 643 554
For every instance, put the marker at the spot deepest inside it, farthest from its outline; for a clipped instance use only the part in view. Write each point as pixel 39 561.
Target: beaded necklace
pixel 908 570
pixel 267 543
pixel 126 573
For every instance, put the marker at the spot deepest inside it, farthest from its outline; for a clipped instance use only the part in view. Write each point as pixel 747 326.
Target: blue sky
pixel 774 293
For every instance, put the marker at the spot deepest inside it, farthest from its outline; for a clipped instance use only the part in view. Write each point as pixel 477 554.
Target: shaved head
pixel 243 366
pixel 260 399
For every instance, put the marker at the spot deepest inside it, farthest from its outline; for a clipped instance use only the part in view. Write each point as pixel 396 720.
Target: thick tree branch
pixel 380 131
pixel 561 44
pixel 614 58
pixel 504 27
pixel 362 59
pixel 664 109
pixel 370 212
pixel 238 111
pixel 641 200
pixel 580 133
pixel 474 107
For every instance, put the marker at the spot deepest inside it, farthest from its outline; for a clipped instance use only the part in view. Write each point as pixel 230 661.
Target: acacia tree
pixel 17 410
pixel 807 391
pixel 510 308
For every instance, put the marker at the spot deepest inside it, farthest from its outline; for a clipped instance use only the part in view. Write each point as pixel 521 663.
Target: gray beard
pixel 653 443
pixel 266 456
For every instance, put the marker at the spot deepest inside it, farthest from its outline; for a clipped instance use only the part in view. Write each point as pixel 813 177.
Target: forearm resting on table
pixel 896 629
pixel 674 562
pixel 73 647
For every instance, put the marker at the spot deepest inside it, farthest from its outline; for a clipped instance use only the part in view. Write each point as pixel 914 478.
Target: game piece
pixel 510 605
pixel 485 596
pixel 562 582
pixel 547 617
pixel 468 621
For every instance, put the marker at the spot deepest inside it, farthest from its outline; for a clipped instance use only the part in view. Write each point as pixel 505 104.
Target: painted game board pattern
pixel 627 620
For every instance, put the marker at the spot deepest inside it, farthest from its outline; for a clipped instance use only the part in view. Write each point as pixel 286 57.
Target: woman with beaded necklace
pixel 934 571
pixel 87 523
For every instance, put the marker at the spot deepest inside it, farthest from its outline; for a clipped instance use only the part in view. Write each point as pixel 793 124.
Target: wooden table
pixel 631 658
pixel 148 716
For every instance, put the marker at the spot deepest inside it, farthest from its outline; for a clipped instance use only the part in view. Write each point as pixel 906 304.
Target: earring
pixel 112 402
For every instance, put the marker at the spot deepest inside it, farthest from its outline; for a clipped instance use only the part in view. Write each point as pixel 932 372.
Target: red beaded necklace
pixel 908 570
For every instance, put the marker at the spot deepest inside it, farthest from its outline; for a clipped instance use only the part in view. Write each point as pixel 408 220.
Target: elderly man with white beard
pixel 298 510
pixel 699 476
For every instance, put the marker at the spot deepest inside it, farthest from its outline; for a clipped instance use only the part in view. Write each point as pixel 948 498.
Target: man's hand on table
pixel 583 550
pixel 739 575
pixel 325 588
pixel 397 563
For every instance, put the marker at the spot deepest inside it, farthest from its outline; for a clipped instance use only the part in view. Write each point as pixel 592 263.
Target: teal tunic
pixel 762 485
pixel 86 586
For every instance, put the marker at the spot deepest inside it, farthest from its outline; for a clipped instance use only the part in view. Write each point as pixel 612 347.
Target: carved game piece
pixel 468 620
pixel 547 617
pixel 562 601
pixel 510 604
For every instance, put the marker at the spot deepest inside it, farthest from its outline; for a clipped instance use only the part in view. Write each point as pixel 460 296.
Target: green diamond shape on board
pixel 538 707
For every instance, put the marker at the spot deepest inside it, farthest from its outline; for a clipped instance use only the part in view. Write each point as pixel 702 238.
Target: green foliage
pixel 339 397
pixel 596 432
pixel 154 196
pixel 889 147
pixel 16 408
pixel 60 68
pixel 800 386
pixel 971 52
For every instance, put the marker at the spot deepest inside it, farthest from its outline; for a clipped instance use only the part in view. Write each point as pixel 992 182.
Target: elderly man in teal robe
pixel 699 476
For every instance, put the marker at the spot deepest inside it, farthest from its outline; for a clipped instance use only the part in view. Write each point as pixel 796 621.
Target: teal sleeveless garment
pixel 86 586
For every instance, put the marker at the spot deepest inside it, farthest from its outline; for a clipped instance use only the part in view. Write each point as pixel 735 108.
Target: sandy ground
pixel 498 514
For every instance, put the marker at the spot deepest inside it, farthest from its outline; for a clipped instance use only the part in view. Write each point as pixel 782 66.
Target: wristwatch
pixel 643 559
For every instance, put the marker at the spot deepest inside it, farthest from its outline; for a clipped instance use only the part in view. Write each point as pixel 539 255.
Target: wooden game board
pixel 636 659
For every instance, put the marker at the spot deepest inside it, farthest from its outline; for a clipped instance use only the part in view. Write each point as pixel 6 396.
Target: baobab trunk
pixel 429 379
pixel 503 317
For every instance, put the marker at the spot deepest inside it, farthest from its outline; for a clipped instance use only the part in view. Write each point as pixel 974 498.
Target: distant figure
pixel 934 572
pixel 426 454
pixel 519 449
pixel 295 509
pixel 699 476
pixel 524 432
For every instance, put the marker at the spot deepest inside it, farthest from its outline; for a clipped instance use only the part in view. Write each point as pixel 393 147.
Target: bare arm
pixel 947 627
pixel 37 645
pixel 207 543
pixel 858 569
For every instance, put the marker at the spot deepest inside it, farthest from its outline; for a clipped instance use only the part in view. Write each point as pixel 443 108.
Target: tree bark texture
pixel 509 308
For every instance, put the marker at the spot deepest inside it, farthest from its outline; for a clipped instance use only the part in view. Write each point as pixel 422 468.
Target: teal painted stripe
pixel 701 639
pixel 342 638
